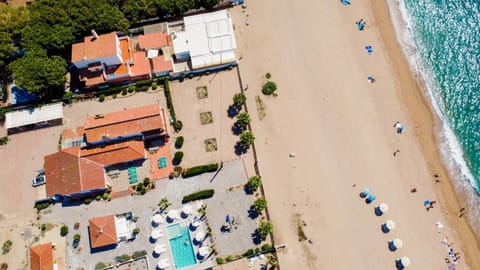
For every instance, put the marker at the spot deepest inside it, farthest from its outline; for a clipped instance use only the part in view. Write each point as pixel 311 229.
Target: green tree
pixel 12 20
pixel 243 119
pixel 247 138
pixel 182 6
pixel 165 7
pixel 64 230
pixel 209 4
pixel 254 182
pixel 36 72
pixel 265 228
pixel 260 204
pixel 239 99
pixel 269 87
pixel 134 10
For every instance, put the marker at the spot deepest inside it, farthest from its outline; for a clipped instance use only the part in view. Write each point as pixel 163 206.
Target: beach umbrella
pixel 388 226
pixel 157 218
pixel 228 218
pixel 187 209
pixel 159 249
pixel 370 198
pixel 172 214
pixel 156 234
pixel 439 225
pixel 405 262
pixel 395 244
pixel 163 263
pixel 203 251
pixel 199 236
pixel 365 193
pixel 383 207
pixel 195 223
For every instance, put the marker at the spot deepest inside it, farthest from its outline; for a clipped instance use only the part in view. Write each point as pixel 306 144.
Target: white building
pixel 208 39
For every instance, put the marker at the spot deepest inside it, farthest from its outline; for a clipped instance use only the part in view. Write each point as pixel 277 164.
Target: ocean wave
pixel 451 151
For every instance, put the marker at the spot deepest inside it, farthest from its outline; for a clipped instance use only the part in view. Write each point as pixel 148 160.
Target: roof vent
pixel 94 34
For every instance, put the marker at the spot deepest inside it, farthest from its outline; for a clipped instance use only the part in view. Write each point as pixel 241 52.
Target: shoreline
pixel 421 113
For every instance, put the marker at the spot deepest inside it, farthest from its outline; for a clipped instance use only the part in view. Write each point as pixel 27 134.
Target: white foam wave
pixel 450 149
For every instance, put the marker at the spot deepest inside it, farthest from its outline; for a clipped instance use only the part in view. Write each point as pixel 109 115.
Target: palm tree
pixel 243 119
pixel 265 228
pixel 247 138
pixel 254 182
pixel 239 99
pixel 259 204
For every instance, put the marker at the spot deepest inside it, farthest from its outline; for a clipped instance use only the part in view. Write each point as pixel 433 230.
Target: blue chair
pixel 370 198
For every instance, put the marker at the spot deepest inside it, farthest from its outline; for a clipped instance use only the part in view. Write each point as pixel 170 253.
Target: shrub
pixel 6 247
pixel 101 97
pixel 229 258
pixel 77 237
pixel 124 91
pixel 105 196
pixel 146 181
pixel 4 266
pixel 200 169
pixel 142 88
pixel 139 254
pixel 177 157
pixel 199 195
pixel 266 247
pixel 177 125
pixel 42 205
pixel 100 266
pixel 123 258
pixel 88 200
pixel 98 197
pixel 177 171
pixel 143 191
pixel 179 142
pixel 136 231
pixel 144 83
pixel 4 140
pixel 114 96
pixel 43 227
pixel 154 86
pixel 220 260
pixel 248 253
pixel 239 99
pixel 64 230
pixel 131 89
pixel 268 75
pixel 257 250
pixel 260 204
pixel 139 187
pixel 265 228
pixel 254 182
pixel 268 88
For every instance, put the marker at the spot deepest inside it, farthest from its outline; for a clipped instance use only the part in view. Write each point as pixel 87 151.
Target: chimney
pixel 94 34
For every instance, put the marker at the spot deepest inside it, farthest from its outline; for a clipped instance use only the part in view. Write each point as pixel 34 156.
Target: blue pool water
pixel 441 38
pixel 181 246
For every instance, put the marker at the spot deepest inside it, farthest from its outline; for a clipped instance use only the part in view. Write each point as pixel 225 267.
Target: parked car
pixel 39 180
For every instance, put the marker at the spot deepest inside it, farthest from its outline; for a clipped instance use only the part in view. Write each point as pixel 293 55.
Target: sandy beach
pixel 341 129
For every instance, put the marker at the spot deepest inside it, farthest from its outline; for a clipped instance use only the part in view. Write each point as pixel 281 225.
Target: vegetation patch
pixel 199 195
pixel 139 254
pixel 260 107
pixel 211 145
pixel 299 224
pixel 200 169
pixel 206 118
pixel 179 142
pixel 202 92
pixel 7 245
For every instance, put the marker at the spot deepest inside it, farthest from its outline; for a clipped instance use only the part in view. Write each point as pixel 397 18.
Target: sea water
pixel 441 39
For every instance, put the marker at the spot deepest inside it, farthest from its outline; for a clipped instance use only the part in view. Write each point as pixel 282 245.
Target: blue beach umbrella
pixel 227 218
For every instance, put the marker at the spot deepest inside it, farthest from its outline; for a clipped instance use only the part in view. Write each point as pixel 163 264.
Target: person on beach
pixel 360 25
pixel 370 79
pixel 396 152
pixel 400 128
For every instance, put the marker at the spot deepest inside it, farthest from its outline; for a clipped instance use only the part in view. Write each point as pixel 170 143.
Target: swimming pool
pixel 181 246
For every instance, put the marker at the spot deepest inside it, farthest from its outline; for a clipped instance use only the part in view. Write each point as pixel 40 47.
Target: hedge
pixel 142 88
pixel 202 194
pixel 139 254
pixel 179 142
pixel 200 169
pixel 144 83
pixel 168 96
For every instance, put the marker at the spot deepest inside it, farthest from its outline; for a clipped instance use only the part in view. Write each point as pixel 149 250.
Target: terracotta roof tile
pixel 115 153
pixel 153 40
pixel 141 66
pixel 104 45
pixel 161 65
pixel 102 231
pixel 124 123
pixel 71 134
pixel 41 257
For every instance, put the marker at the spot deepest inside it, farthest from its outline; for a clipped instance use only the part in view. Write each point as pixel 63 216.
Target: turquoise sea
pixel 441 39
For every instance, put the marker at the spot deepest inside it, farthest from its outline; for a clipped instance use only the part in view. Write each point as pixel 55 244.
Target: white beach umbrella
pixel 405 261
pixel 157 218
pixel 156 234
pixel 383 207
pixel 390 224
pixel 196 223
pixel 173 214
pixel 203 251
pixel 159 249
pixel 199 236
pixel 397 243
pixel 163 263
pixel 187 209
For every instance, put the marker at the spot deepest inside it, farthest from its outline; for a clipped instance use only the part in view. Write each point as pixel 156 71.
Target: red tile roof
pixel 124 123
pixel 141 66
pixel 153 41
pixel 41 257
pixel 161 65
pixel 115 153
pixel 104 45
pixel 72 134
pixel 103 231
pixel 66 173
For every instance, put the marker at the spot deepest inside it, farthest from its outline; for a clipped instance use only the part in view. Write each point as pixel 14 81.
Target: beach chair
pixel 162 162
